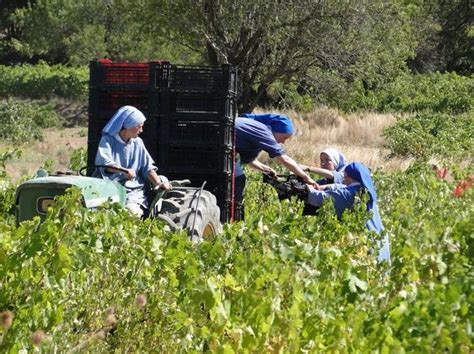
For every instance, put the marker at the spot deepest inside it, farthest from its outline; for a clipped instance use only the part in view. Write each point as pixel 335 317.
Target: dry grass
pixel 56 148
pixel 357 136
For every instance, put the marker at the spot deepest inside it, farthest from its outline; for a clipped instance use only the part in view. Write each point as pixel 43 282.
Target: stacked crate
pixel 190 113
pixel 196 127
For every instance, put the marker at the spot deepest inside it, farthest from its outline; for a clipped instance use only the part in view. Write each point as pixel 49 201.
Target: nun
pixel 262 132
pixel 356 180
pixel 123 157
pixel 332 164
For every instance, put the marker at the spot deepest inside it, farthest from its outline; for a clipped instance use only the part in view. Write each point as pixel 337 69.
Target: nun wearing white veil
pixel 127 159
pixel 332 164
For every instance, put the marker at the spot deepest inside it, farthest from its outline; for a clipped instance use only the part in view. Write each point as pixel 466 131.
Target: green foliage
pixel 438 92
pixel 78 159
pixel 290 96
pixel 444 35
pixel 106 281
pixel 44 81
pixel 7 189
pixel 21 122
pixel 336 50
pixel 79 32
pixel 271 41
pixel 5 157
pixel 426 134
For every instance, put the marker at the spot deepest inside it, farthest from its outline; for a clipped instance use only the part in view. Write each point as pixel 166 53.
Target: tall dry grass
pixel 358 136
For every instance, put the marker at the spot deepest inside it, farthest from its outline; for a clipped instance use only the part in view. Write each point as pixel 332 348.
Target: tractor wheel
pixel 190 209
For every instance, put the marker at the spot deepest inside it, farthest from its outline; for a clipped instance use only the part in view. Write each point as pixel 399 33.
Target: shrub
pixel 437 92
pixel 21 122
pixel 105 281
pixel 432 134
pixel 44 81
pixel 7 189
pixel 78 159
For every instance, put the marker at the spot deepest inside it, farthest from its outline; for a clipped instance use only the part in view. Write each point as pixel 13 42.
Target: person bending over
pixel 262 132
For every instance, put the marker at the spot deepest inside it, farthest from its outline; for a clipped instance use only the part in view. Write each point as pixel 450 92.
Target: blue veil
pixel 125 117
pixel 361 174
pixel 279 123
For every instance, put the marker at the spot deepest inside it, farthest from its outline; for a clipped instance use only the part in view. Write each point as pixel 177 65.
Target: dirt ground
pixel 55 151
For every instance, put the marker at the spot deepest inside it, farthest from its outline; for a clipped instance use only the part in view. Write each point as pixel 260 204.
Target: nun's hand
pixel 310 181
pixel 313 187
pixel 163 185
pixel 270 171
pixel 131 175
pixel 305 168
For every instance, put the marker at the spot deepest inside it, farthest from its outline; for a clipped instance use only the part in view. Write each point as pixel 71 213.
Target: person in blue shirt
pixel 262 132
pixel 356 178
pixel 332 164
pixel 126 158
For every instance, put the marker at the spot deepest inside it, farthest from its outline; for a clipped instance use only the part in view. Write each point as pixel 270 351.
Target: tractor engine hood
pixel 33 196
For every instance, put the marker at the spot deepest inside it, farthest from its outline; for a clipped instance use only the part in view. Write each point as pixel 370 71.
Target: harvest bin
pixel 190 113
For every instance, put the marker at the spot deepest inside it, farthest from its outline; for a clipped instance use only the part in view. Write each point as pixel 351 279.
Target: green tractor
pixel 189 208
pixel 189 133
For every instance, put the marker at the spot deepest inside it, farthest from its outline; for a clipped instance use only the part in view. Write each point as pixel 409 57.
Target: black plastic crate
pixel 195 78
pixel 228 212
pixel 186 129
pixel 197 102
pixel 97 122
pixel 216 183
pixel 219 184
pixel 195 159
pixel 106 102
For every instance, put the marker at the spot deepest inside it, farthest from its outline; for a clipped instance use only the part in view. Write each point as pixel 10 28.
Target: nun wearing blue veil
pixel 127 159
pixel 332 164
pixel 356 178
pixel 262 132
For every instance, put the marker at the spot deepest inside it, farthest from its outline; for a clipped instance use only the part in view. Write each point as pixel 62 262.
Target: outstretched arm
pixel 293 166
pixel 320 171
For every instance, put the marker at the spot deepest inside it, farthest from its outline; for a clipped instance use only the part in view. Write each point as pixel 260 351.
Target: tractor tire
pixel 190 209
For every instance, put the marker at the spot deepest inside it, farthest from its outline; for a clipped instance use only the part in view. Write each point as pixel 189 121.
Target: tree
pixel 283 40
pixel 8 29
pixel 444 35
pixel 74 32
pixel 270 41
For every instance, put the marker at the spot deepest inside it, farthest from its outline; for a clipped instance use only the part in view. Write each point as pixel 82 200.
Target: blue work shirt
pixel 252 137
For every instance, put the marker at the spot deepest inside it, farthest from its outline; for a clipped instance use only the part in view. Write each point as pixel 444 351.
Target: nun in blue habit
pixel 262 132
pixel 127 159
pixel 356 178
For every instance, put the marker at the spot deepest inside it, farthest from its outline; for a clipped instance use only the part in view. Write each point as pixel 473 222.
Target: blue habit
pixel 252 137
pixel 344 197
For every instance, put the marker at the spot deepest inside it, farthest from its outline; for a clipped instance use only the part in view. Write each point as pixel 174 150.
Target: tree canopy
pixel 316 45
